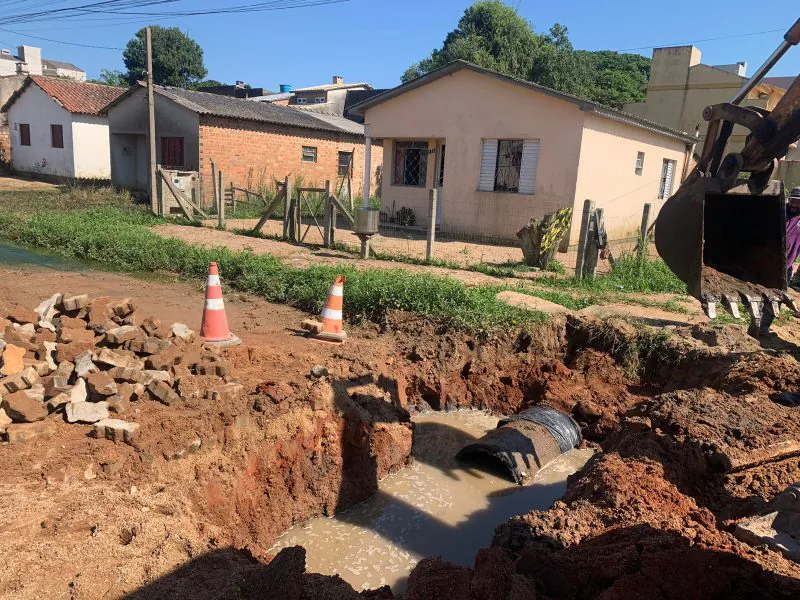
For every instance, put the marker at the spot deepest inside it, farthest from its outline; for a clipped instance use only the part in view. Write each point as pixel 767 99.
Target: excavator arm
pixel 723 232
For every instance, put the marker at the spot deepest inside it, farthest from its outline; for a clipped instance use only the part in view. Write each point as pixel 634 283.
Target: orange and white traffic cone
pixel 331 315
pixel 214 328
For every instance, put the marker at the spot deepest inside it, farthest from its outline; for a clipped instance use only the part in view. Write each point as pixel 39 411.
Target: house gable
pixel 38 111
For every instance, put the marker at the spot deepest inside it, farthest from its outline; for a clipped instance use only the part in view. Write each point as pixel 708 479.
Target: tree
pixel 491 34
pixel 616 78
pixel 112 77
pixel 177 58
pixel 206 83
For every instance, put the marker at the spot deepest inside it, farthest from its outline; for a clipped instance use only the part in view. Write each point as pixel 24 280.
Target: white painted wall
pixel 39 110
pixel 90 147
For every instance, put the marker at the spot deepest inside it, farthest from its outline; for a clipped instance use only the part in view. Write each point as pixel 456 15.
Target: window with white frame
pixel 509 166
pixel 319 100
pixel 301 100
pixel 639 162
pixel 667 176
pixel 410 163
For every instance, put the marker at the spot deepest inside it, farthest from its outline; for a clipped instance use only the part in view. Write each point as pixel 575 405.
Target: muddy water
pixel 437 507
pixel 13 255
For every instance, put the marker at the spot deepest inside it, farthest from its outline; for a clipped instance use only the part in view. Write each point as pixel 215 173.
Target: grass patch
pixel 639 352
pixel 122 238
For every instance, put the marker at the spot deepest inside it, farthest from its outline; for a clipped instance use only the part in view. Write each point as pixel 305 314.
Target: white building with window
pixel 501 151
pixel 56 127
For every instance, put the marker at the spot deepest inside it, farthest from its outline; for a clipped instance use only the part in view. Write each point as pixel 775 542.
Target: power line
pixel 714 39
pixel 36 37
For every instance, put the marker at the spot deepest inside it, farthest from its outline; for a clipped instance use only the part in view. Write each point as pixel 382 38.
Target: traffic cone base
pixel 331 315
pixel 214 327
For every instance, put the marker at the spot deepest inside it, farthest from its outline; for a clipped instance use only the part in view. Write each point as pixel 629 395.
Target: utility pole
pixel 151 123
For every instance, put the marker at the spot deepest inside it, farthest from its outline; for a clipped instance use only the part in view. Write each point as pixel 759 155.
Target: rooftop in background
pixel 337 83
pixel 237 90
pixel 35 64
pixel 77 97
pixel 235 108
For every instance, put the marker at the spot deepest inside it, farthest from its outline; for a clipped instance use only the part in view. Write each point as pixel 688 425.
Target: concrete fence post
pixel 432 198
pixel 583 238
pixel 643 228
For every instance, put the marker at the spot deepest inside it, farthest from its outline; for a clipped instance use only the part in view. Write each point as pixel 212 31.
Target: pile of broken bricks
pixel 90 362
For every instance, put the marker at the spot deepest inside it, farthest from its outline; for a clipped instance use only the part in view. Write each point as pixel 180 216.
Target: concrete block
pixel 163 392
pixel 25 432
pixel 13 361
pixel 86 412
pixel 72 334
pixel 5 421
pixel 116 430
pixel 73 303
pixel 84 364
pixel 78 392
pixel 20 381
pixel 115 359
pixel 182 331
pixel 68 352
pixel 121 308
pixel 122 334
pixel 101 383
pixel 48 309
pixel 227 392
pixel 57 402
pixel 23 316
pixel 21 408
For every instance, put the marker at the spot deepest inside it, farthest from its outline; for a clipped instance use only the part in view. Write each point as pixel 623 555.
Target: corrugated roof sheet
pixel 75 96
pixel 57 64
pixel 333 86
pixel 264 112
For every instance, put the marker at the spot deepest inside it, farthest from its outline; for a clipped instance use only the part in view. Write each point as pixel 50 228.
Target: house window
pixel 24 134
pixel 509 166
pixel 639 162
pixel 667 173
pixel 410 163
pixel 319 100
pixel 302 100
pixel 345 163
pixel 172 151
pixel 56 136
pixel 309 154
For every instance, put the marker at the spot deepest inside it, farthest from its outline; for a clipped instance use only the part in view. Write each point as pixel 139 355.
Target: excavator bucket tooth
pixel 753 306
pixel 709 305
pixel 732 306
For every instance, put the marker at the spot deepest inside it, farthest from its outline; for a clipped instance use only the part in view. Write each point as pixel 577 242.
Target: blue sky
pixel 375 40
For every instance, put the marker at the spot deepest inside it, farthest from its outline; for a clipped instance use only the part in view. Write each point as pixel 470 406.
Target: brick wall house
pixel 251 154
pixel 252 143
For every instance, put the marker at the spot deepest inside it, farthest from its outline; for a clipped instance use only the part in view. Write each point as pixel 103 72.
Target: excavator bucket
pixel 726 245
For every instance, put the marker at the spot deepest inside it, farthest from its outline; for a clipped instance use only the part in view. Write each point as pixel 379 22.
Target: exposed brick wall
pixel 261 152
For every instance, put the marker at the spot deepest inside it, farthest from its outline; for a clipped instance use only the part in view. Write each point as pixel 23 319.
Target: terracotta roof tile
pixel 78 96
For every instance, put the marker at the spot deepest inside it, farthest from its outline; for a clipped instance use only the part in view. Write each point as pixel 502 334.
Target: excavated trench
pixel 685 437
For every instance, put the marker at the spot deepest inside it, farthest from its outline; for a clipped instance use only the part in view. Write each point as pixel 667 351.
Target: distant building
pixel 237 90
pixel 253 143
pixel 335 98
pixel 680 87
pixel 28 61
pixel 14 68
pixel 56 127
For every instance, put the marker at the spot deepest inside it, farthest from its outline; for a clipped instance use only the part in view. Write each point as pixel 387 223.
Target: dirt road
pixel 83 518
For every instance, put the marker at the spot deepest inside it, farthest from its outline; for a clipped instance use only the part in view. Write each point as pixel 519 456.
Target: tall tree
pixel 616 78
pixel 491 34
pixel 177 58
